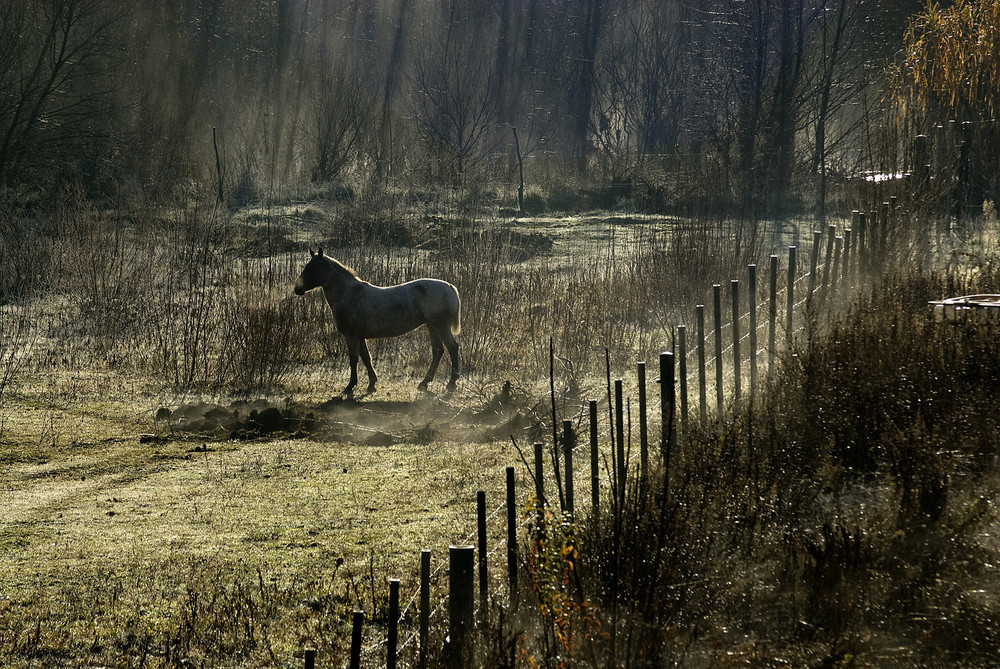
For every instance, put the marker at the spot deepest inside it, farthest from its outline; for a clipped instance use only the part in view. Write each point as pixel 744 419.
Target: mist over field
pixel 773 192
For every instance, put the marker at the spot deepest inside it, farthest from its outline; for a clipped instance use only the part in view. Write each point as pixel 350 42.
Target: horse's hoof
pixel 422 387
pixel 348 392
pixel 371 389
pixel 452 385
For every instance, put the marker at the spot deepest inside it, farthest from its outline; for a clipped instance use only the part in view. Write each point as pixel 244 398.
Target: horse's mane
pixel 342 268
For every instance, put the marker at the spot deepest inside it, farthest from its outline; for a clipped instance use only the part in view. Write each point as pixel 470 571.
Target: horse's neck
pixel 337 279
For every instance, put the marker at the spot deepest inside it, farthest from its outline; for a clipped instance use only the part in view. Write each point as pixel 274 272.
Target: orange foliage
pixel 952 60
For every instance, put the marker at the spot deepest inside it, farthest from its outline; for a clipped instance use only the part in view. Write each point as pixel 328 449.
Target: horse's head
pixel 313 274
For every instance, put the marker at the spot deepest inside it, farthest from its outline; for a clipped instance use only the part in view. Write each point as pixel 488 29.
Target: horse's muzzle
pixel 300 289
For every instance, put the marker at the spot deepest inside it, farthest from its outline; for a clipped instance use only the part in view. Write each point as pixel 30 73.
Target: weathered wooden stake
pixel 883 229
pixel 829 257
pixel 772 315
pixel 569 441
pixel 484 581
pixel 425 605
pixel 393 634
pixel 848 252
pixel 791 293
pixel 461 599
pixel 964 168
pixel 838 245
pixel 699 311
pixel 717 304
pixel 752 280
pixel 511 538
pixel 643 435
pixel 668 402
pixel 737 358
pixel 539 481
pixel 310 657
pixel 357 628
pixel 595 481
pixel 619 444
pixel 863 244
pixel 682 374
pixel 921 167
pixel 814 260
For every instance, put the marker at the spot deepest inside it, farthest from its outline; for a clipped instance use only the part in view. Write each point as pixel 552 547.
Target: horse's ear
pixel 319 252
pixel 311 251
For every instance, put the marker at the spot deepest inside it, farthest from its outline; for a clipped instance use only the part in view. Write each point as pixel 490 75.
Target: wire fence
pixel 747 340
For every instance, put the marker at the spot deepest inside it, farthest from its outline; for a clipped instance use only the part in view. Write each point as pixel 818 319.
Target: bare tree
pixel 342 117
pixel 643 79
pixel 56 91
pixel 582 93
pixel 833 69
pixel 455 98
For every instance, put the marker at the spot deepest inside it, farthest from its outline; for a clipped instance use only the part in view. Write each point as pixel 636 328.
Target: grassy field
pixel 830 522
pixel 109 541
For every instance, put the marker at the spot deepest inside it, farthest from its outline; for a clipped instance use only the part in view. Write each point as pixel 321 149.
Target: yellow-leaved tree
pixel 950 71
pixel 951 63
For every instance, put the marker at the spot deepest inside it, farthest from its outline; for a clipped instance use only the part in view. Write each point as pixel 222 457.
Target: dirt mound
pixel 367 420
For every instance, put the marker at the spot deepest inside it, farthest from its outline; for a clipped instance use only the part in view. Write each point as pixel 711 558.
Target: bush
pixel 843 515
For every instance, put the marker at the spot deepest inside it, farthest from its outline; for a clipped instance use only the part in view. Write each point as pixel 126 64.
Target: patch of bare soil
pixel 364 420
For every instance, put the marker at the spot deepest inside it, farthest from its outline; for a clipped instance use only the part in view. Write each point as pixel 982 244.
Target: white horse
pixel 362 311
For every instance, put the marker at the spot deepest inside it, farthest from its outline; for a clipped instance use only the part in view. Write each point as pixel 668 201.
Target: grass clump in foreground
pixel 847 520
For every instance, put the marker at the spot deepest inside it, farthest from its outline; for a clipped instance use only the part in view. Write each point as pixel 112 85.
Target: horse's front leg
pixel 366 358
pixel 353 347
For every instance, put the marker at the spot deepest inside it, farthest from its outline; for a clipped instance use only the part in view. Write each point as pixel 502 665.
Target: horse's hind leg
pixel 452 344
pixel 366 358
pixel 437 349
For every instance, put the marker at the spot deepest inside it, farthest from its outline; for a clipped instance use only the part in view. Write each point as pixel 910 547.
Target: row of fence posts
pixel 842 261
pixel 459 644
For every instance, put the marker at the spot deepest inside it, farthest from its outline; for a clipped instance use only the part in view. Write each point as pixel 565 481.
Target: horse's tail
pixel 456 323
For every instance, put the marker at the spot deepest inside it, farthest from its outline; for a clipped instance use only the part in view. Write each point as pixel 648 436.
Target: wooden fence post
pixel 883 230
pixel 814 261
pixel 682 374
pixel 964 168
pixel 838 245
pixel 595 481
pixel 425 605
pixel 702 391
pixel 539 481
pixel 921 166
pixel 310 658
pixel 939 158
pixel 484 581
pixel 643 434
pixel 737 358
pixel 668 403
pixel 943 153
pixel 717 304
pixel 393 634
pixel 848 251
pixel 619 444
pixel 752 285
pixel 772 315
pixel 461 598
pixel 357 628
pixel 856 242
pixel 791 293
pixel 511 538
pixel 568 442
pixel 832 230
pixel 863 244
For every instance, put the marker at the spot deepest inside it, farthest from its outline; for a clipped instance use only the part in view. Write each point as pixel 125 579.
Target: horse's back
pixel 373 311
